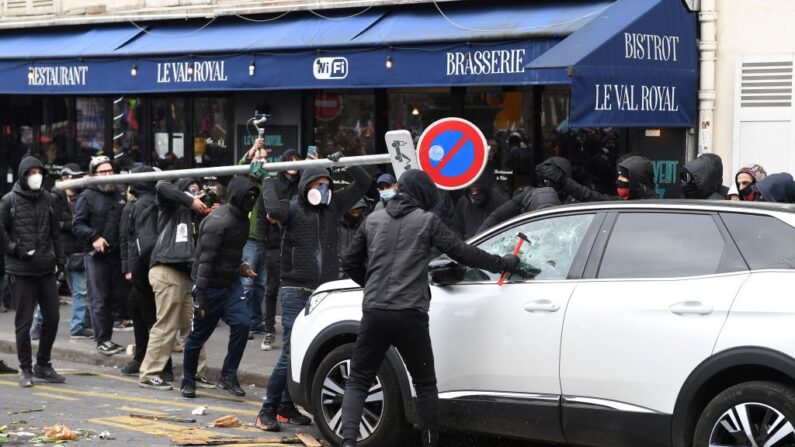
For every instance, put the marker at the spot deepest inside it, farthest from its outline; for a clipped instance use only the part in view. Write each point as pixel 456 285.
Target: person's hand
pixel 215 206
pixel 100 245
pixel 200 304
pixel 335 157
pixel 128 276
pixel 247 271
pixel 509 263
pixel 59 271
pixel 257 169
pixel 271 220
pixel 257 150
pixel 550 172
pixel 198 206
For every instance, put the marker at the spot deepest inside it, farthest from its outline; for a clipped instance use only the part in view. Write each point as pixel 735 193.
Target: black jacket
pixel 142 225
pixel 222 235
pixel 268 235
pixel 637 169
pixel 69 242
pixel 530 199
pixel 468 216
pixel 31 222
pixel 707 173
pixel 124 235
pixel 309 246
pixel 391 251
pixel 176 240
pixel 777 188
pixel 98 214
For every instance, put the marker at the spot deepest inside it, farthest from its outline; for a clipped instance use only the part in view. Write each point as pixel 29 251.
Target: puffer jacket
pixel 176 239
pixel 98 214
pixel 638 169
pixel 222 235
pixel 390 253
pixel 31 222
pixel 269 236
pixel 707 176
pixel 310 245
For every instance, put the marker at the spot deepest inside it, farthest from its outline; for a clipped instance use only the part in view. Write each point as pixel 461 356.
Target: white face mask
pixel 34 181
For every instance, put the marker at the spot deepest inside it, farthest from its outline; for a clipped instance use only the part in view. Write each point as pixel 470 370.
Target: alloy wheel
pixel 752 425
pixel 333 391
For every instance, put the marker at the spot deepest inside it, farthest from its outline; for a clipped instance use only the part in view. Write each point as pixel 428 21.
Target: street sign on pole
pixel 453 152
pixel 401 151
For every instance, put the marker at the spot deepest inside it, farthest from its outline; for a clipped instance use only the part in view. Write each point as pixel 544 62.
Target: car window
pixel 764 241
pixel 554 243
pixel 664 245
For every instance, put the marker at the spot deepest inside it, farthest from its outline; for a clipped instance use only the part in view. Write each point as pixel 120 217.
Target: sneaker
pixel 258 329
pixel 5 369
pixel 188 390
pixel 291 415
pixel 26 378
pixel 35 332
pixel 132 368
pixel 155 383
pixel 167 375
pixel 204 382
pixel 47 374
pixel 268 342
pixel 107 347
pixel 83 333
pixel 123 325
pixel 230 384
pixel 266 419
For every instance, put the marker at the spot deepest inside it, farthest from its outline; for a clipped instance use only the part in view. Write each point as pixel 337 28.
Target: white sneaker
pixel 268 342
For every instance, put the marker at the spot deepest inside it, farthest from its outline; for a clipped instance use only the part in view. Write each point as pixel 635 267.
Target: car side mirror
pixel 446 272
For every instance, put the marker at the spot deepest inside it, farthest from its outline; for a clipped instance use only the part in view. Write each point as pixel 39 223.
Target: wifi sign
pixel 330 68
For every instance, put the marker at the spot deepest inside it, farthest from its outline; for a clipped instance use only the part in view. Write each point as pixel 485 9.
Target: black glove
pixel 526 271
pixel 335 157
pixel 200 304
pixel 548 171
pixel 509 263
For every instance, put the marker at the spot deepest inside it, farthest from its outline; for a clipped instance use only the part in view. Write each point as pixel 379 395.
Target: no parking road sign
pixel 453 152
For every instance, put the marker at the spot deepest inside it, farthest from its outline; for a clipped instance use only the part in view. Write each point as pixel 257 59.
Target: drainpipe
pixel 708 47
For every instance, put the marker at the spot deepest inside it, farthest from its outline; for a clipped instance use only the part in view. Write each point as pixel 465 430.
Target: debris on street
pixel 199 411
pixel 30 410
pixel 60 432
pixel 162 418
pixel 227 421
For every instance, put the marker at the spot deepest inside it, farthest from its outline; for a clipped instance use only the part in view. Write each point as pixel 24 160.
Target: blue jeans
pixel 293 302
pixel 77 285
pixel 222 304
pixel 254 288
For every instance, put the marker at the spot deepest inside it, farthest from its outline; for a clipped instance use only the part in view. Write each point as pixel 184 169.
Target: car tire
pixel 391 428
pixel 765 409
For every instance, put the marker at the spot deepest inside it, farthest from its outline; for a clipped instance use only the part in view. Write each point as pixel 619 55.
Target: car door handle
pixel 691 308
pixel 541 306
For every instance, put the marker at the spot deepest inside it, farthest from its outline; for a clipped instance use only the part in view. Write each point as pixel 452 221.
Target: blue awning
pixel 72 42
pixel 635 65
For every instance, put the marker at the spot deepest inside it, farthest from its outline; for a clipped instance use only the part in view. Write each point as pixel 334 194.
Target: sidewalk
pixel 254 368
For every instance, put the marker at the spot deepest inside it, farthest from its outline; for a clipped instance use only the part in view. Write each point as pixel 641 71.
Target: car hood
pixel 335 286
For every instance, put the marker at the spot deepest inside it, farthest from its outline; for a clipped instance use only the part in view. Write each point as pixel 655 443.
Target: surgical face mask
pixel 34 181
pixel 320 195
pixel 386 194
pixel 292 171
pixel 623 189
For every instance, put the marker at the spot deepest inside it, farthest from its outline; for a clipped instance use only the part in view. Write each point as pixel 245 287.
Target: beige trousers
pixel 174 314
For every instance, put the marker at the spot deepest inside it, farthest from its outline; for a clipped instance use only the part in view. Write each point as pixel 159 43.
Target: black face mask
pixel 478 199
pixel 749 193
pixel 690 190
pixel 249 202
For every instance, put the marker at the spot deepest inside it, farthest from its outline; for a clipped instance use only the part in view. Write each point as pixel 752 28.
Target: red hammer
pixel 522 239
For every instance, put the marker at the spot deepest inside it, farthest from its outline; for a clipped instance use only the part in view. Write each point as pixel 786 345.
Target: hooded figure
pixel 637 172
pixel 777 188
pixel 389 257
pixel 31 241
pixel 478 202
pixel 523 201
pixel 702 178
pixel 217 292
pixel 309 257
pixel 745 181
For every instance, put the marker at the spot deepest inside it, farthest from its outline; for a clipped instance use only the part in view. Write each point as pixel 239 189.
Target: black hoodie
pixel 637 169
pixel 469 216
pixel 707 173
pixel 222 235
pixel 390 253
pixel 310 243
pixel 777 188
pixel 31 222
pixel 175 242
pixel 142 224
pixel 268 235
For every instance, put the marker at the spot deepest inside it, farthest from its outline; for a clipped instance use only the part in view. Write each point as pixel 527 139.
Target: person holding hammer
pixel 389 256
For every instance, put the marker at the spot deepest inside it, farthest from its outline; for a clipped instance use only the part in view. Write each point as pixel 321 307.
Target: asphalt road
pixel 97 399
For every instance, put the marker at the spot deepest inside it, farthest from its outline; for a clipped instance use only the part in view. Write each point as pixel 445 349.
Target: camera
pixel 210 197
pixel 261 118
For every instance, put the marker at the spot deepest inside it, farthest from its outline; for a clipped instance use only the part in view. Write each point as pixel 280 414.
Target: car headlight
pixel 314 301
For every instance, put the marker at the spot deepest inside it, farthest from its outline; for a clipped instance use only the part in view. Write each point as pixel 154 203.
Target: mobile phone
pixel 311 151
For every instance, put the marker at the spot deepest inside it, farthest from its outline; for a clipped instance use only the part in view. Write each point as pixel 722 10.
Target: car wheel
pixel 749 414
pixel 383 423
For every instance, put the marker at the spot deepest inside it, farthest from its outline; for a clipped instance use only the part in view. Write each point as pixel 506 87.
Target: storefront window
pixel 90 117
pixel 55 148
pixel 168 130
pixel 213 139
pixel 127 137
pixel 344 121
pixel 413 110
pixel 20 118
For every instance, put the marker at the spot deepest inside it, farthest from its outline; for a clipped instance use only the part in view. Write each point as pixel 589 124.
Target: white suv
pixel 650 324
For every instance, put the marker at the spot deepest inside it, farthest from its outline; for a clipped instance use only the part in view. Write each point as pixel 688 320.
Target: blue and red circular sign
pixel 453 152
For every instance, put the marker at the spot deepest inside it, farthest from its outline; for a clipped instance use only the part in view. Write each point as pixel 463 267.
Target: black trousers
pixel 27 292
pixel 105 290
pixel 406 330
pixel 273 270
pixel 143 311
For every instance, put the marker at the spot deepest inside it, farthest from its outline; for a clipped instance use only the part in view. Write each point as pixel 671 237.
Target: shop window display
pixel 344 121
pixel 90 114
pixel 127 135
pixel 213 139
pixel 415 110
pixel 169 133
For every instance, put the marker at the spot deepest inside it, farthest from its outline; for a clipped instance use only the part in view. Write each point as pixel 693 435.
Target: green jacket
pixel 252 218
